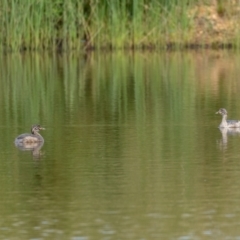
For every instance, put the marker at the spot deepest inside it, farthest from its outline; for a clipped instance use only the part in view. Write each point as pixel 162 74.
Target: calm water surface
pixel 132 149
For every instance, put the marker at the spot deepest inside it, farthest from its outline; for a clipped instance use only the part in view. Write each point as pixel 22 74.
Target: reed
pixel 95 24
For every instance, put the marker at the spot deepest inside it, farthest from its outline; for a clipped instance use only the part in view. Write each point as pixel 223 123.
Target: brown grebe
pixel 32 137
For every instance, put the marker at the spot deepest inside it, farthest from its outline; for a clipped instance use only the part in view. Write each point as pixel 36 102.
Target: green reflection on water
pixel 131 144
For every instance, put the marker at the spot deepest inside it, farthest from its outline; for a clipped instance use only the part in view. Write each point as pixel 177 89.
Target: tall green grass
pixel 84 24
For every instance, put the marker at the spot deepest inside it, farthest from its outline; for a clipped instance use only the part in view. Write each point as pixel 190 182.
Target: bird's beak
pixel 217 112
pixel 42 128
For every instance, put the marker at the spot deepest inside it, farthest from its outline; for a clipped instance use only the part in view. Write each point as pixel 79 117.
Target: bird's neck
pixel 36 133
pixel 224 118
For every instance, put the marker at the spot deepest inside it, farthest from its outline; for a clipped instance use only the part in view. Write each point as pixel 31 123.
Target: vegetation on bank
pixel 118 24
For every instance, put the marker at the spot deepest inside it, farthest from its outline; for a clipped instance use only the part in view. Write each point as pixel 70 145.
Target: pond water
pixel 132 147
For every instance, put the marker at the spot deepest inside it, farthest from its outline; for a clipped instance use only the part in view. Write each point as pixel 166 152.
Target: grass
pixel 96 24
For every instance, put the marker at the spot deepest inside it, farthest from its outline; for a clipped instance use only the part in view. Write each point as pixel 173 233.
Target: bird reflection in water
pixel 226 132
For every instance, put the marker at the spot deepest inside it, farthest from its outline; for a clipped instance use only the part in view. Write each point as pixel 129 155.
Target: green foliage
pixel 86 24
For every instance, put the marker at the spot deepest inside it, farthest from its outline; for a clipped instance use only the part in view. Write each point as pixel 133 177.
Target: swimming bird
pixel 32 137
pixel 227 123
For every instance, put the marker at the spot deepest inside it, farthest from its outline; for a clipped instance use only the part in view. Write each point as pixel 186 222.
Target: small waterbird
pixel 227 123
pixel 32 137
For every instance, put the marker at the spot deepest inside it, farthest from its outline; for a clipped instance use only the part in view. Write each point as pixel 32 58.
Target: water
pixel 132 149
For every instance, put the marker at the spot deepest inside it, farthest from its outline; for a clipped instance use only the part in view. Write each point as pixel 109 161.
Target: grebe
pixel 32 137
pixel 227 123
